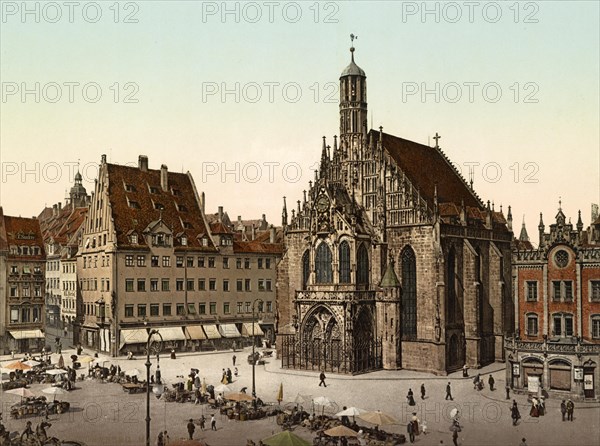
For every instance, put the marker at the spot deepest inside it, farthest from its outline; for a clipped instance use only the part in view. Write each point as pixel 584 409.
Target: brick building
pixel 391 259
pixel 149 258
pixel 557 310
pixel 22 270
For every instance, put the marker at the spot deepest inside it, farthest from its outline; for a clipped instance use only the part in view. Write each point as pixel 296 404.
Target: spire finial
pixel 437 140
pixel 559 203
pixel 352 37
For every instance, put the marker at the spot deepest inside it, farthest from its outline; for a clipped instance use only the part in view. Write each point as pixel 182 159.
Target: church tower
pixel 78 194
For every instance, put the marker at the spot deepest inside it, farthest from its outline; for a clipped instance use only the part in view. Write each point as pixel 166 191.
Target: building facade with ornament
pixel 556 344
pixel 391 260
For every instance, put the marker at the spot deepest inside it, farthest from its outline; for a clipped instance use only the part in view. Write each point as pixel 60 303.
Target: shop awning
pixel 195 332
pixel 27 334
pixel 135 336
pixel 247 329
pixel 171 333
pixel 211 332
pixel 229 331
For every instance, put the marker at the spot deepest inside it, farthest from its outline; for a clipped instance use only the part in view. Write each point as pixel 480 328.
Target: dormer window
pixel 204 241
pixel 134 239
pixel 134 204
pixel 158 206
pixel 25 250
pixel 175 192
pixel 130 188
pixel 182 207
pixel 184 240
pixel 154 190
pixel 187 225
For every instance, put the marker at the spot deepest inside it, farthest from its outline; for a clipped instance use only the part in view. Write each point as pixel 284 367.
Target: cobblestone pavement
pixel 102 414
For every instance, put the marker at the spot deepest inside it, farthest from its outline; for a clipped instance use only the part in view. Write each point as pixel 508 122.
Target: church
pixel 391 260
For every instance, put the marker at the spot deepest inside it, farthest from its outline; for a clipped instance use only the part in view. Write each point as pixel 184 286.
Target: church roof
pixel 425 166
pixel 352 69
pixel 390 279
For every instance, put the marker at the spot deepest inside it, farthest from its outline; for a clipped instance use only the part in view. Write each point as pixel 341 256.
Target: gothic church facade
pixel 391 259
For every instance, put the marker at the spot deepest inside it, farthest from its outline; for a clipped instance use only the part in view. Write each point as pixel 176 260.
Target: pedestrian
pixel 507 392
pixel 160 440
pixel 449 392
pixel 563 409
pixel 535 408
pixel 409 429
pixel 229 376
pixel 173 354
pixel 197 381
pixel 235 372
pixel 542 406
pixel 416 423
pixel 213 422
pixel 423 391
pixel 491 382
pixel 165 438
pixel 233 359
pixel 523 442
pixel 202 422
pixel 465 371
pixel 570 408
pixel 515 414
pixel 191 428
pixel 455 437
pixel 197 395
pixel 410 398
pixel 322 378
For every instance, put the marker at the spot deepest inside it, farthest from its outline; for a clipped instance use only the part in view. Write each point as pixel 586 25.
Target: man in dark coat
pixel 423 391
pixel 322 378
pixel 191 428
pixel 411 432
pixel 449 392
pixel 570 408
pixel 563 409
pixel 491 382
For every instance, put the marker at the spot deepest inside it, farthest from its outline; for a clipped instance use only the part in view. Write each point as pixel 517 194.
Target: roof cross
pixel 437 138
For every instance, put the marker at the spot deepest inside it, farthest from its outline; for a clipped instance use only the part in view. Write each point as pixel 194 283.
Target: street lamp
pixel 158 387
pixel 253 345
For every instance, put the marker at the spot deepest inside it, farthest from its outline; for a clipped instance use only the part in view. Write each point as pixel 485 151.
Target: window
pixel 268 285
pixel 15 270
pixel 225 262
pixel 247 307
pixel 225 285
pixel 211 262
pixel 166 261
pixel 179 285
pixel 164 285
pixel 323 264
pixel 532 325
pixel 190 262
pixel 240 307
pixel 556 290
pixel 128 284
pixel 362 266
pixel 201 308
pixel 261 285
pixel 305 268
pixel 14 291
pixel 568 288
pixel 191 309
pixel 190 285
pixel 153 284
pixel 141 310
pixel 184 239
pixel 141 284
pixel 247 285
pixel 179 262
pixel 596 327
pixel 212 284
pixel 201 284
pixel 246 263
pixel 213 308
pixel 561 258
pixel 166 309
pixel 25 315
pixel 154 308
pixel 562 290
pixel 595 290
pixel 238 263
pixel 14 315
pixel 128 310
pixel 409 292
pixel 269 306
pixel 154 261
pixel 133 238
pixel 568 325
pixel 562 324
pixel 37 291
pixel 200 262
pixel 531 290
pixel 240 285
pixel 226 309
pixel 260 263
pixel 344 254
pixel 141 260
pixel 128 260
pixel 180 309
pixel 268 263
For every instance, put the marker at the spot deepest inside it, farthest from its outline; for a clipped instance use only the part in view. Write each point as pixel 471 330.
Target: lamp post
pixel 253 345
pixel 158 388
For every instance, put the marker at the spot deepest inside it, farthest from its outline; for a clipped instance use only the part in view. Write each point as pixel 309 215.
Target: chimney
pixel 143 163
pixel 54 209
pixel 164 177
pixel 263 223
pixel 272 234
pixel 59 206
pixel 103 159
pixel 220 214
pixel 203 202
pixel 253 232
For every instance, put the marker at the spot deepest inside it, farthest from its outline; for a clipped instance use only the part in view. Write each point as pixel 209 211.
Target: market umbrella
pixel 61 362
pixel 32 363
pixel 286 438
pixel 378 418
pixel 238 396
pixel 54 391
pixel 341 431
pixel 133 372
pixel 351 412
pixel 223 388
pixel 453 412
pixel 280 393
pixel 324 402
pixel 17 365
pixel 56 372
pixel 86 359
pixel 22 392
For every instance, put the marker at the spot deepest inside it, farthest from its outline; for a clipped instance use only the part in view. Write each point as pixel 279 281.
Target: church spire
pixel 284 214
pixel 524 237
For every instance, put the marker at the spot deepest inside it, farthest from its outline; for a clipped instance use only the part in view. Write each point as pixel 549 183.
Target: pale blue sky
pixel 175 52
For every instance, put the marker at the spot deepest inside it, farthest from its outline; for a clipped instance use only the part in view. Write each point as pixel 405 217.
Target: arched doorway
pixel 366 349
pixel 321 341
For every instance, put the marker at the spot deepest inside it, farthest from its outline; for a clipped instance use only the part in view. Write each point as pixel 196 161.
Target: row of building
pixel 390 260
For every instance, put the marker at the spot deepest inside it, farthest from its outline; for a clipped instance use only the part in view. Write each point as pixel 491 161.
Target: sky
pixel 241 93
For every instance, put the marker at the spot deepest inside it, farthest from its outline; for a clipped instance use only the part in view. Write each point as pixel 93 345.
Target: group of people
pixel 410 399
pixel 478 382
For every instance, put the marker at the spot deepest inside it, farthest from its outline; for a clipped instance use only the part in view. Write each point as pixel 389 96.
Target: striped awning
pixel 229 331
pixel 26 334
pixel 247 329
pixel 171 333
pixel 195 332
pixel 211 331
pixel 135 336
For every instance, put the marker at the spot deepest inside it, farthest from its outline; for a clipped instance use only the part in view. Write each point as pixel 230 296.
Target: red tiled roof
pixel 23 232
pixel 217 227
pixel 425 166
pixel 257 247
pixel 178 210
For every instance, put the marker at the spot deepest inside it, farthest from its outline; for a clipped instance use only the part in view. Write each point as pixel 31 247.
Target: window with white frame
pixel 562 324
pixel 531 290
pixel 532 324
pixel 595 290
pixel 595 326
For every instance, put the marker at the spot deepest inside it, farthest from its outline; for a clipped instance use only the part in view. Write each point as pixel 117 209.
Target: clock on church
pixel 322 203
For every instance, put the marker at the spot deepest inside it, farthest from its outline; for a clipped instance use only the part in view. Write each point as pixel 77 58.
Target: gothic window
pixel 305 269
pixel 409 293
pixel 451 288
pixel 344 252
pixel 323 264
pixel 362 266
